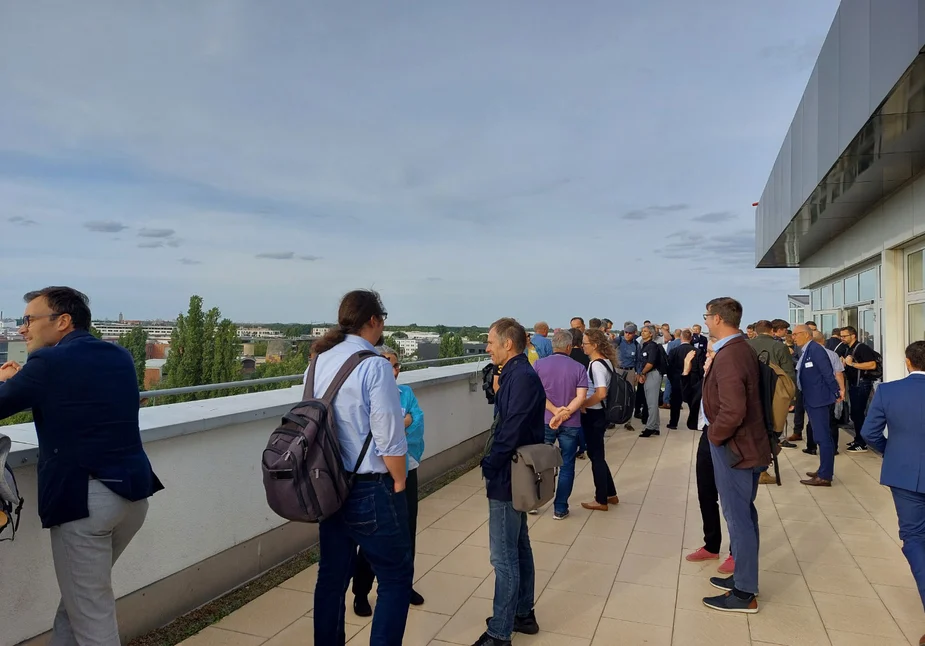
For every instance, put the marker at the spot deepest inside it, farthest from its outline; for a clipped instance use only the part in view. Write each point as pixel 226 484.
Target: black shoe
pixel 809 451
pixel 731 602
pixel 648 433
pixel 361 607
pixel 488 640
pixel 723 583
pixel 857 448
pixel 787 445
pixel 526 625
pixel 672 428
pixel 416 599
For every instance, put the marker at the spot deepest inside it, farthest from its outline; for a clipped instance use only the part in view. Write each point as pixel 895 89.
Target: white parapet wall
pixel 210 529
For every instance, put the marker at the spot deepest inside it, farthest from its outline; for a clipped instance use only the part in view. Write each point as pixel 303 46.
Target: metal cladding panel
pixel 857 134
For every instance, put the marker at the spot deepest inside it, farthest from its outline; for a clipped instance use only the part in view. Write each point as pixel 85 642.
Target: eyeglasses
pixel 27 319
pixel 707 315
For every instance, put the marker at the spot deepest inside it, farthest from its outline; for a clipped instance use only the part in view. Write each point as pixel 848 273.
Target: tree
pixel 392 342
pixel 451 345
pixel 399 335
pixel 136 342
pixel 95 332
pixel 441 329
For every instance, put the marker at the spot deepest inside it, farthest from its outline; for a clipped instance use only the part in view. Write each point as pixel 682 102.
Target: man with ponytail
pixel 375 515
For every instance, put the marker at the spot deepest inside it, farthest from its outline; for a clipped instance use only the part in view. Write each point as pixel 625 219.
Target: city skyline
pixel 542 163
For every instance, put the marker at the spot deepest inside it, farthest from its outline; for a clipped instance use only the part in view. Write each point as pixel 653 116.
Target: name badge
pixel 645 354
pixel 808 364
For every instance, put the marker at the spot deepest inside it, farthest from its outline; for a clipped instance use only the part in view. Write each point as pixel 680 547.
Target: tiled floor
pixel 832 569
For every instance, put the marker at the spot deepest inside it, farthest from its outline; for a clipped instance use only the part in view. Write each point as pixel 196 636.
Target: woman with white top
pixel 593 417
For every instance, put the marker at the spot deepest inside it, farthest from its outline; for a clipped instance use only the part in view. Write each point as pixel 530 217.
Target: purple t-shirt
pixel 561 376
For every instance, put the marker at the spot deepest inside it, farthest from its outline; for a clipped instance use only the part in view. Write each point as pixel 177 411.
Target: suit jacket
pixel 816 377
pixel 732 405
pixel 899 405
pixel 778 353
pixel 83 394
pixel 676 359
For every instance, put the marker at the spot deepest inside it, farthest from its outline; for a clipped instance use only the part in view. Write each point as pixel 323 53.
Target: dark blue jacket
pixel 816 377
pixel 899 405
pixel 83 394
pixel 519 405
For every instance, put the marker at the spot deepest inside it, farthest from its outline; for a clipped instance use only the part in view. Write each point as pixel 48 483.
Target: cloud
pixel 189 261
pixel 714 217
pixel 174 242
pixel 310 258
pixel 105 226
pixel 156 233
pixel 151 244
pixel 732 249
pixel 654 209
pixel 276 255
pixel 22 221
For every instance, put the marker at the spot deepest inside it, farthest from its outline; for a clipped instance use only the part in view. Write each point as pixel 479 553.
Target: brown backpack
pixel 303 473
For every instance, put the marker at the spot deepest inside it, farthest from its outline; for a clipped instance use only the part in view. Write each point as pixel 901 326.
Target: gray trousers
pixel 84 552
pixel 652 387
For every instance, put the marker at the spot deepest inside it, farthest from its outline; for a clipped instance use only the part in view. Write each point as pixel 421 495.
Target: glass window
pixel 827 297
pixel 801 316
pixel 867 285
pixel 851 290
pixel 838 294
pixel 916 322
pixel 817 299
pixel 916 270
pixel 827 322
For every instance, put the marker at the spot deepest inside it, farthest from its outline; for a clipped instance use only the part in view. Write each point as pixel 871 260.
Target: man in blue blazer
pixel 94 478
pixel 900 405
pixel 816 380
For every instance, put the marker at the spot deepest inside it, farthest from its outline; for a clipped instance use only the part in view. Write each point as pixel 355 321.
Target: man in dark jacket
pixel 520 407
pixel 739 448
pixel 94 477
pixel 676 358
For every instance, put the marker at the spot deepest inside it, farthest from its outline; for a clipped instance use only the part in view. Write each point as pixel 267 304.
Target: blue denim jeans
pixel 375 519
pixel 738 489
pixel 512 558
pixel 568 446
pixel 582 444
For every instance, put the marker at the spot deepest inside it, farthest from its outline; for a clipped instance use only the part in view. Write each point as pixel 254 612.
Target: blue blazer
pixel 899 405
pixel 817 378
pixel 83 394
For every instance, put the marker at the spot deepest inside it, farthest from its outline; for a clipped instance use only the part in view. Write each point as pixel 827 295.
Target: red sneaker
pixel 702 555
pixel 728 566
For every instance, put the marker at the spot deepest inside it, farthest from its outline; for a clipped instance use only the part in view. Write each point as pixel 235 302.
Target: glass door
pixel 849 317
pixel 868 329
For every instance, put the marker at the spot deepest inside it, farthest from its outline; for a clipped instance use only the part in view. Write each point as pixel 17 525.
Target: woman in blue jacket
pixel 414 432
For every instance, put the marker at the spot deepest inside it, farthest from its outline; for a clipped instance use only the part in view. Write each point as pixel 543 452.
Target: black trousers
pixel 708 497
pixel 833 429
pixel 642 408
pixel 676 399
pixel 594 424
pixel 799 414
pixel 362 572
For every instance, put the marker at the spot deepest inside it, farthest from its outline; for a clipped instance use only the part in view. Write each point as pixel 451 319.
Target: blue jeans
pixel 568 446
pixel 375 519
pixel 910 508
pixel 582 444
pixel 738 489
pixel 667 396
pixel 512 558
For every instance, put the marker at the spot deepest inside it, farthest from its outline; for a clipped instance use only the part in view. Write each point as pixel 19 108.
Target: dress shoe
pixel 488 640
pixel 594 506
pixel 613 500
pixel 816 481
pixel 766 478
pixel 526 625
pixel 361 607
pixel 812 474
pixel 796 437
pixel 416 598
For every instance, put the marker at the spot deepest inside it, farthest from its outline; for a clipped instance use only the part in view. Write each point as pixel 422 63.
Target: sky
pixel 469 160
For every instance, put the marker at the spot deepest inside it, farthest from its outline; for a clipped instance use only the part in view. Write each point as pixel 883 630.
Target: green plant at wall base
pixel 18 418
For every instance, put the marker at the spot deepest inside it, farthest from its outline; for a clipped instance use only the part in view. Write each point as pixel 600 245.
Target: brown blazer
pixel 732 404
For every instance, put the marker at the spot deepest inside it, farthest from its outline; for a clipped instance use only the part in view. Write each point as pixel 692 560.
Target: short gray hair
pixel 652 329
pixel 562 340
pixel 387 351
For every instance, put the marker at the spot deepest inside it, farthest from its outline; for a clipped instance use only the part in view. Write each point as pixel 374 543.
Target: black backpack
pixel 767 385
pixel 303 472
pixel 10 501
pixel 621 397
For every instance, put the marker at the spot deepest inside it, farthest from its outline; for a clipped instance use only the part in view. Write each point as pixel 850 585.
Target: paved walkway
pixel 832 569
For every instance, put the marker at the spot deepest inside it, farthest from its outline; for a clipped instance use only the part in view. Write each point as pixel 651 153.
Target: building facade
pixel 799 309
pixel 845 202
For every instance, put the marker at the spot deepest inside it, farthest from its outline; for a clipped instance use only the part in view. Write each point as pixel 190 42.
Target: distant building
pixel 154 372
pixel 13 348
pixel 409 347
pixel 799 309
pixel 258 333
pixel 423 336
pixel 319 331
pixel 155 331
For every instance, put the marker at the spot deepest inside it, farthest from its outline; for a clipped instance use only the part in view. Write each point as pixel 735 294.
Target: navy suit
pixel 900 405
pixel 83 394
pixel 816 380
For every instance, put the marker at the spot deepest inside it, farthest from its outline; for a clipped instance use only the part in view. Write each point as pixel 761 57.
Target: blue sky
pixel 470 160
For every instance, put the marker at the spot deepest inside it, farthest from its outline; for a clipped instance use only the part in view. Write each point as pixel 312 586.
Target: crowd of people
pixel 94 476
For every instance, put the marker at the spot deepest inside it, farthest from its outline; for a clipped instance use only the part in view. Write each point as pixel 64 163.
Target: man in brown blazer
pixel 739 447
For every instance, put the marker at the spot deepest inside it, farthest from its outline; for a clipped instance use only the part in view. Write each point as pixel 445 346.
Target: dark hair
pixel 836 331
pixel 728 309
pixel 356 309
pixel 577 337
pixel 763 327
pixel 780 324
pixel 750 326
pixel 686 335
pixel 577 318
pixel 509 329
pixel 595 323
pixel 607 321
pixel 850 329
pixel 915 353
pixel 602 344
pixel 813 323
pixel 65 300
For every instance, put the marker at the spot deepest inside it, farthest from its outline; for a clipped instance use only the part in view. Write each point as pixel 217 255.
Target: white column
pixel 893 301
